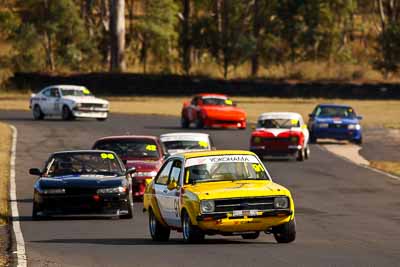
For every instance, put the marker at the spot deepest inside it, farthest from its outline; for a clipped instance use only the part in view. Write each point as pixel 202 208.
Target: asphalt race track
pixel 346 215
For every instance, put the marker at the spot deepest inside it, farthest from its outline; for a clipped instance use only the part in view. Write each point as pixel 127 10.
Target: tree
pixel 117 35
pixel 185 36
pixel 57 25
pixel 157 31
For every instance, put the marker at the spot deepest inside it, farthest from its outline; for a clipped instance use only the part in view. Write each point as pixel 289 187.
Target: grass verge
pixel 5 146
pixel 376 113
pixel 392 167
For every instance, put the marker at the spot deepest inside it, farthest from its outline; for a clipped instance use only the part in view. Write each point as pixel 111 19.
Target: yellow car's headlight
pixel 281 203
pixel 207 206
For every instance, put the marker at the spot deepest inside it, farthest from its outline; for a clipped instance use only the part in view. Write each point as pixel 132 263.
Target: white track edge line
pixel 19 238
pixel 321 147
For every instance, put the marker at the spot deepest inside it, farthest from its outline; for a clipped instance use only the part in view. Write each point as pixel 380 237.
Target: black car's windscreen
pixel 138 148
pixel 186 144
pixel 217 101
pixel 83 163
pixel 225 171
pixel 341 112
pixel 278 123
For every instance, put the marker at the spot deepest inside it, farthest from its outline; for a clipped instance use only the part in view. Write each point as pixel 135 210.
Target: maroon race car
pixel 145 153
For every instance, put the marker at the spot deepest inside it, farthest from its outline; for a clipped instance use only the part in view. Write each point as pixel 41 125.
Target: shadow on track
pixel 146 242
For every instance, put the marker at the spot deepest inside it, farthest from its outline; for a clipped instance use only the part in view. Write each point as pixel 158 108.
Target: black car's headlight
pixel 207 206
pixel 53 191
pixel 112 190
pixel 281 203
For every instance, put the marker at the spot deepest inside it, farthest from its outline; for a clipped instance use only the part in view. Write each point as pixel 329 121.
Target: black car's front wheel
pixel 190 232
pixel 129 215
pixel 36 211
pixel 285 233
pixel 158 232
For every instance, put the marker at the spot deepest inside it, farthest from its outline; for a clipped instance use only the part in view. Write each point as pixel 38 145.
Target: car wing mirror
pixel 253 127
pixel 166 155
pixel 131 171
pixel 359 117
pixel 172 185
pixel 311 115
pixel 35 171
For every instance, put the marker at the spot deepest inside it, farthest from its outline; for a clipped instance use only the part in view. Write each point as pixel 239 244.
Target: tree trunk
pixel 186 39
pixel 117 32
pixel 225 28
pixel 256 34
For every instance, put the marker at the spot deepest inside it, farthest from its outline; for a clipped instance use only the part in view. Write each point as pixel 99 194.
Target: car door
pixel 161 190
pixel 173 194
pixel 45 101
pixel 52 101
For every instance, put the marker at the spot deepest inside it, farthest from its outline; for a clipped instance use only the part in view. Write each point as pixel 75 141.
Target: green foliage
pixel 157 30
pixel 389 44
pixel 51 35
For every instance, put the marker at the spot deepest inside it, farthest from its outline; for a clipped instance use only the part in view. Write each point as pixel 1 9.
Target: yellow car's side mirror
pixel 172 185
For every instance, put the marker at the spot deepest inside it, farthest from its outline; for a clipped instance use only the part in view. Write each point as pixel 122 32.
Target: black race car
pixel 90 182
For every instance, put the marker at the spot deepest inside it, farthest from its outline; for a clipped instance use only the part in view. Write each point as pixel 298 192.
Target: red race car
pixel 212 110
pixel 145 153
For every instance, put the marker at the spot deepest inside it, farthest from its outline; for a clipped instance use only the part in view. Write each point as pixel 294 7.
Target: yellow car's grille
pixel 255 203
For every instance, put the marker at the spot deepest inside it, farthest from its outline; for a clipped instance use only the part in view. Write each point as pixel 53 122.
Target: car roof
pixel 334 105
pixel 211 95
pixel 67 86
pixel 188 155
pixel 82 151
pixel 184 134
pixel 282 115
pixel 125 137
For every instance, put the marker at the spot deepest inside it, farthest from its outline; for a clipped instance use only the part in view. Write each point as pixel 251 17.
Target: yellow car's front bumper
pixel 229 224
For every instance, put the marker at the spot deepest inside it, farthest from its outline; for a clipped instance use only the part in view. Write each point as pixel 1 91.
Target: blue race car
pixel 338 122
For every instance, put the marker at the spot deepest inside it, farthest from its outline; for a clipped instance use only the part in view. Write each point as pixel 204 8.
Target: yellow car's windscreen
pixel 229 168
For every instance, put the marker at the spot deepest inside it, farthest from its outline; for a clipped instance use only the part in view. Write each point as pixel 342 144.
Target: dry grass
pixel 376 113
pixel 5 145
pixel 392 167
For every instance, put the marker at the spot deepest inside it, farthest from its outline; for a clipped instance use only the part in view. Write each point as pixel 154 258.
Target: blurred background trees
pixel 300 39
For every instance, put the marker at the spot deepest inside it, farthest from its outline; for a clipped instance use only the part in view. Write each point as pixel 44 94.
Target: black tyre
pixel 285 233
pixel 307 152
pixel 184 122
pixel 313 139
pixel 358 141
pixel 300 155
pixel 158 232
pixel 251 236
pixel 101 119
pixel 35 210
pixel 66 114
pixel 129 215
pixel 190 232
pixel 199 122
pixel 37 113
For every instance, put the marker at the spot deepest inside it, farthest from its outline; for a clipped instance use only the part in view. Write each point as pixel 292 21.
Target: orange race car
pixel 212 110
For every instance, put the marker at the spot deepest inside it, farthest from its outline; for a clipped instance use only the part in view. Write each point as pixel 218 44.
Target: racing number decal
pixel 151 147
pixel 203 144
pixel 257 167
pixel 107 156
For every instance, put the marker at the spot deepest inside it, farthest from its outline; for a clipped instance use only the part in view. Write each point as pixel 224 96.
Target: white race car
pixel 281 134
pixel 69 102
pixel 183 142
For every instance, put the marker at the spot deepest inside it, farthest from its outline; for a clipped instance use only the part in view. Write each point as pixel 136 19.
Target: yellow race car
pixel 218 192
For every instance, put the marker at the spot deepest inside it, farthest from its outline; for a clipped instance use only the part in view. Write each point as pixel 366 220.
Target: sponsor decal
pixel 228 102
pixel 220 159
pixel 183 138
pixel 203 144
pixel 86 92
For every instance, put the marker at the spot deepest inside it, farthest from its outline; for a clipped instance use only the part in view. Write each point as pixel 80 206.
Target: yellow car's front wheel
pixel 285 233
pixel 190 232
